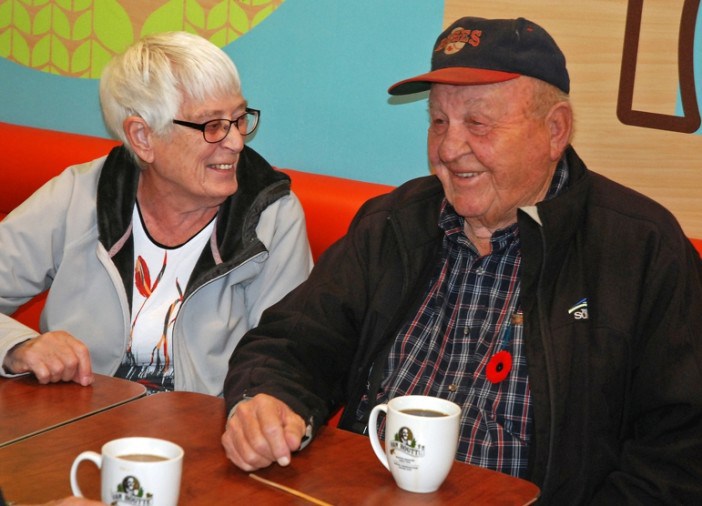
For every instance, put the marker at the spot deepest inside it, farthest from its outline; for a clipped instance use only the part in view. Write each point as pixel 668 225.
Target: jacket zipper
pixel 543 325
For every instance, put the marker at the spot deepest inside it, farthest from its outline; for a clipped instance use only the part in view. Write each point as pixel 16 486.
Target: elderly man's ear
pixel 560 123
pixel 140 136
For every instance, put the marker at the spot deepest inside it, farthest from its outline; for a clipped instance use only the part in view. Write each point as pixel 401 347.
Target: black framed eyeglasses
pixel 216 130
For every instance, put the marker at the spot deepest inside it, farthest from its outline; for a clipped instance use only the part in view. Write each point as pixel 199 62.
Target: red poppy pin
pixel 499 366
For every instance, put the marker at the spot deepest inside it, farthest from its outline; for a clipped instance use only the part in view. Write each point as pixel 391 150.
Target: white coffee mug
pixel 421 438
pixel 139 471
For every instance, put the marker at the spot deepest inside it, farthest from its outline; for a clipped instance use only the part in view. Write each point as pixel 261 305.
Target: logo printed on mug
pixel 405 443
pixel 131 492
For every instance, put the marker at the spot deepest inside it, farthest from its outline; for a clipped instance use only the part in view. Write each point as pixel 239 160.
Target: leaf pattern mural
pixel 76 38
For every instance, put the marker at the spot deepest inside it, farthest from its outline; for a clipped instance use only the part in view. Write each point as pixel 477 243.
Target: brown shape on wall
pixel 689 122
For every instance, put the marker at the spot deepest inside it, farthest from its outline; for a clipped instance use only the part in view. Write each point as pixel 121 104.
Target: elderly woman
pixel 161 255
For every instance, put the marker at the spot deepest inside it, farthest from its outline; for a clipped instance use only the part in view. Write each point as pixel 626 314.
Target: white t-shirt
pixel 160 277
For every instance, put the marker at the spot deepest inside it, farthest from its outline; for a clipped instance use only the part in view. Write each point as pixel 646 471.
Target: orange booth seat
pixel 698 245
pixel 31 156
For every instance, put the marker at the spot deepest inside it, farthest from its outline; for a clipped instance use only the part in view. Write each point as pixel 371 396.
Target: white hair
pixel 153 76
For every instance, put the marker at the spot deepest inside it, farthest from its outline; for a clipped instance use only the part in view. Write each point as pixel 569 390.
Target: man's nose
pixel 454 143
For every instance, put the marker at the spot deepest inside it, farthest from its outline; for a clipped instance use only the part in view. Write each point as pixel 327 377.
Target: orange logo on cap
pixel 457 39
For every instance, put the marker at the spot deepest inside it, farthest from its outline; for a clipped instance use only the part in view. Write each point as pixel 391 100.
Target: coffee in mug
pixel 139 471
pixel 423 412
pixel 421 439
pixel 141 457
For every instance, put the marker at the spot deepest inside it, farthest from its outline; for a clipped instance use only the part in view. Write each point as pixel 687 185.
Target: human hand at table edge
pixel 261 431
pixel 51 357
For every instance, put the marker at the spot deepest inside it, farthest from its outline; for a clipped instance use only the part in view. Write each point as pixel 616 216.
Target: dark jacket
pixel 616 391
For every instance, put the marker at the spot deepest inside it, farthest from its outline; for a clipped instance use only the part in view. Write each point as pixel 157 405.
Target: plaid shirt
pixel 445 350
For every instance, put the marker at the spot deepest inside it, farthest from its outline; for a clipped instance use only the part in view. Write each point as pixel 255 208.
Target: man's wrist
pixel 244 398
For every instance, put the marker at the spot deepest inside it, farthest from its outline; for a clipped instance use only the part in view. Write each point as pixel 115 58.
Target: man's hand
pixel 52 357
pixel 262 430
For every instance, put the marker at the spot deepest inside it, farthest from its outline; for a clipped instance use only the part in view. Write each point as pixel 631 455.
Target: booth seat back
pixel 698 245
pixel 30 156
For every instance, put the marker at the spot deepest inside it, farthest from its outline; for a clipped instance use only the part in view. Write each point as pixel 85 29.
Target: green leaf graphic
pixel 21 50
pixel 168 17
pixel 100 57
pixel 113 27
pixel 238 18
pixel 217 17
pixel 59 56
pixel 5 38
pixel 83 26
pixel 41 52
pixel 42 21
pixel 5 17
pixel 194 14
pixel 78 37
pixel 21 19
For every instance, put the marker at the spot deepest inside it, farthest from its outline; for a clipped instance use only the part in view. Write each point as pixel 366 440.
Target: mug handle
pixel 373 434
pixel 95 458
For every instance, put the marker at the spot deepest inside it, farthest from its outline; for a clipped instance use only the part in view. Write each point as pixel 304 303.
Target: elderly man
pixel 561 310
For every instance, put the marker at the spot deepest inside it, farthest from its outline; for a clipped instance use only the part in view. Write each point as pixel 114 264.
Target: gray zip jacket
pixel 73 238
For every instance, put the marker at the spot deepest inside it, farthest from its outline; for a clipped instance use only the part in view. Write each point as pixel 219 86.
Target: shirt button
pixel 453 388
pixel 480 271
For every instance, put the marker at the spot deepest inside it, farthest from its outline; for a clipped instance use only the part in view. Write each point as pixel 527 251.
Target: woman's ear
pixel 560 124
pixel 140 137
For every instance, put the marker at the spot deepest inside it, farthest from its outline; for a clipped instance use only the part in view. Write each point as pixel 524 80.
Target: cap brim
pixel 452 75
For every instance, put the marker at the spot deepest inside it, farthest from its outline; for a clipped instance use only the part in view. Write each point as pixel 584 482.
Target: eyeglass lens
pixel 217 129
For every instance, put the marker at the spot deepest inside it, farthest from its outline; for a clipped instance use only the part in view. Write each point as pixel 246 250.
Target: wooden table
pixel 339 467
pixel 28 408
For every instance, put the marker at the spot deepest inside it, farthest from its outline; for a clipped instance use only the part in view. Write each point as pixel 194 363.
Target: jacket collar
pixel 420 199
pixel 237 218
pixel 560 216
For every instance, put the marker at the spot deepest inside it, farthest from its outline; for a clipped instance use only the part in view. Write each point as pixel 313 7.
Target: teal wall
pixel 318 70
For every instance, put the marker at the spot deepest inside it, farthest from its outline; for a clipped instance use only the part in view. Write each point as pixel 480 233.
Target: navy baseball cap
pixel 483 51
